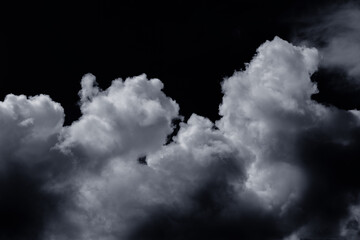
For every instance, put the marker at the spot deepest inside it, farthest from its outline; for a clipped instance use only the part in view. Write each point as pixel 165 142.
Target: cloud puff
pixel 28 124
pixel 277 165
pixel 269 104
pixel 129 119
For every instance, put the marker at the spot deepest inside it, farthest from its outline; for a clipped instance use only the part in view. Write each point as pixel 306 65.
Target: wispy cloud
pixel 336 33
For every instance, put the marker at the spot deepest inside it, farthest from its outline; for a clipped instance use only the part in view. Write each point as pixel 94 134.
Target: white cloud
pixel 264 108
pixel 112 204
pixel 29 126
pixel 245 170
pixel 132 117
pixel 274 90
pixel 269 104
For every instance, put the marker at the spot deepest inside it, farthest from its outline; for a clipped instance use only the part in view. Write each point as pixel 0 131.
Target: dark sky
pixel 189 45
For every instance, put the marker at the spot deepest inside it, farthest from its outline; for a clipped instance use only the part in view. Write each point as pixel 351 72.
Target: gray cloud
pixel 29 167
pixel 336 33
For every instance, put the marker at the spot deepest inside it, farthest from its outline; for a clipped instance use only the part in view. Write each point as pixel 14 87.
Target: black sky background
pixel 189 45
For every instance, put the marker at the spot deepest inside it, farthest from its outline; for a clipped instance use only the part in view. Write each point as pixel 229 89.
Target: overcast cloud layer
pixel 276 165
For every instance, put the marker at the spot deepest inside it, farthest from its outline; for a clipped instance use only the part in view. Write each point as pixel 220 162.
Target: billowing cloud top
pixel 277 165
pixel 129 119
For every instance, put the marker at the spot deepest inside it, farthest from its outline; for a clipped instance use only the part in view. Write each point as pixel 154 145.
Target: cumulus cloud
pixel 303 149
pixel 276 165
pixel 127 196
pixel 128 120
pixel 28 124
pixel 268 105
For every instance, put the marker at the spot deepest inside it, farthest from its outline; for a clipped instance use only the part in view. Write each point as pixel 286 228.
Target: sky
pixel 140 120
